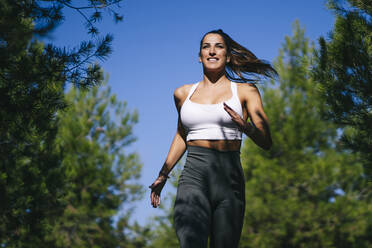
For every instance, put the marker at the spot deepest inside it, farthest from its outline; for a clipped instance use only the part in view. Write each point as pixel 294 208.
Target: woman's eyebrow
pixel 217 43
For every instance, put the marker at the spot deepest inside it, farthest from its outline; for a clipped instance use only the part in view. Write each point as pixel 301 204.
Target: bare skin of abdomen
pixel 221 145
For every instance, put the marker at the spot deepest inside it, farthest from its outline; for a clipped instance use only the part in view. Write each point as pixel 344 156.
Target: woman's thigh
pixel 192 217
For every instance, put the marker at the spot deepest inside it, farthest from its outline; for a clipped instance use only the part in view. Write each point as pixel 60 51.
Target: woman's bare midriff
pixel 221 145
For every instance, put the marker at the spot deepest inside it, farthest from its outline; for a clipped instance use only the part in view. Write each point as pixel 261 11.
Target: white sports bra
pixel 210 121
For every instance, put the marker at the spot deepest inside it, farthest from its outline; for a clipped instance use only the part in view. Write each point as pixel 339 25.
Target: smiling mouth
pixel 212 59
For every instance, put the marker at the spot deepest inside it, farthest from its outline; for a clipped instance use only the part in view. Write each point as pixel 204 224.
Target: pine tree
pixel 33 76
pixel 101 177
pixel 301 193
pixel 344 75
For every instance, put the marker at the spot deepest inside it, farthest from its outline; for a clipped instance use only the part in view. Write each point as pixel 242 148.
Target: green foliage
pixel 301 193
pixel 342 7
pixel 344 75
pixel 99 175
pixel 30 94
pixel 32 83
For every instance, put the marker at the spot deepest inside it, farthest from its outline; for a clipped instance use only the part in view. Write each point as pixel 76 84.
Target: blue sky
pixel 155 51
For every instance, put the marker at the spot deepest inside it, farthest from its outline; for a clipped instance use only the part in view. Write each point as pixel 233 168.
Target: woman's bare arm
pixel 259 132
pixel 178 146
pixel 261 136
pixel 176 150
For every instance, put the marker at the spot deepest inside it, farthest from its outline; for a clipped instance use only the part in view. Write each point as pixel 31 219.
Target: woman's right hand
pixel 156 188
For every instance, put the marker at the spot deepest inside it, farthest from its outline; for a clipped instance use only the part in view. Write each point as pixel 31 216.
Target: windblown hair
pixel 243 62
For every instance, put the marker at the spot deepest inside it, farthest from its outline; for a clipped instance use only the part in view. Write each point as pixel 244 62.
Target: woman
pixel 213 115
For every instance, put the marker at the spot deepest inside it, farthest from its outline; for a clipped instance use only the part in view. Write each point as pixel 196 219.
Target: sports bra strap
pixel 234 89
pixel 193 88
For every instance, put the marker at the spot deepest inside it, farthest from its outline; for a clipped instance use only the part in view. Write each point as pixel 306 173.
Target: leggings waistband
pixel 192 149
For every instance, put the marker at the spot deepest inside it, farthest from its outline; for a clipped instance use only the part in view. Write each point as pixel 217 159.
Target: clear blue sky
pixel 155 51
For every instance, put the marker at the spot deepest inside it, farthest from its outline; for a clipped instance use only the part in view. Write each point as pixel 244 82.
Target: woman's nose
pixel 212 51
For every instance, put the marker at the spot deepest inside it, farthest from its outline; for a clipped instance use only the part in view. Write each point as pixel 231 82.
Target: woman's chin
pixel 214 68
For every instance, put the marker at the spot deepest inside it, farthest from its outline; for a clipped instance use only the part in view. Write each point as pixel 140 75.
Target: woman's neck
pixel 214 77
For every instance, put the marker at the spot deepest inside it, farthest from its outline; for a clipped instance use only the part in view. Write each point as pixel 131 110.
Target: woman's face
pixel 213 52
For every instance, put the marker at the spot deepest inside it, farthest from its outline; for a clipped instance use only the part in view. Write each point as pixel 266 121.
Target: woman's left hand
pixel 235 117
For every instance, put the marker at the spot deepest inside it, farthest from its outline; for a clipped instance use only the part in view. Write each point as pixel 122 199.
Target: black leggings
pixel 210 199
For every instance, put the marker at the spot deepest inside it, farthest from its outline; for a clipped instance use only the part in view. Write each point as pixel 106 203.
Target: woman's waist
pixel 205 162
pixel 217 145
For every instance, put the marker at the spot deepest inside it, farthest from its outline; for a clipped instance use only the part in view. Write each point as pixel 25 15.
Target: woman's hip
pixel 209 166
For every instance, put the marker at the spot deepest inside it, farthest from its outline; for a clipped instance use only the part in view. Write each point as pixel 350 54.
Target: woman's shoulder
pixel 247 91
pixel 246 87
pixel 181 92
